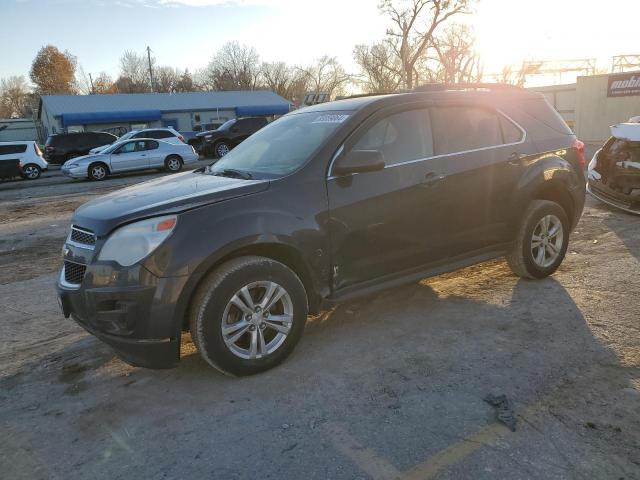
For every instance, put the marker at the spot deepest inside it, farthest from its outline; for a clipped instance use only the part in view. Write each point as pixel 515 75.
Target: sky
pixel 186 33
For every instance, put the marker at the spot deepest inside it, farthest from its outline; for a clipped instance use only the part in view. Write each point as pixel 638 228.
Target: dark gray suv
pixel 328 202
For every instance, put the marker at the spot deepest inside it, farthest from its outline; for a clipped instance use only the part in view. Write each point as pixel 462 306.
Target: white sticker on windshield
pixel 330 118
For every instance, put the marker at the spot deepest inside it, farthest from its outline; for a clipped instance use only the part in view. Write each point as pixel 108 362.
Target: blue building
pixel 185 112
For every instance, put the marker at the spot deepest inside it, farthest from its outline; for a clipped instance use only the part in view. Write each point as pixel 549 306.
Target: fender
pixel 545 173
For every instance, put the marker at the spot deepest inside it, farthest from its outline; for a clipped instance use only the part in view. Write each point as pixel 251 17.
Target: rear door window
pixel 162 134
pixel 150 145
pixel 462 128
pixel 510 132
pixel 401 137
pixel 13 149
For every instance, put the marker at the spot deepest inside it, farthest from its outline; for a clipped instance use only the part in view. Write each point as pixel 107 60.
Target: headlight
pixel 131 243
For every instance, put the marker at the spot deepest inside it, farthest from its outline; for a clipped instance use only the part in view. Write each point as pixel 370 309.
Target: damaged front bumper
pixel 129 309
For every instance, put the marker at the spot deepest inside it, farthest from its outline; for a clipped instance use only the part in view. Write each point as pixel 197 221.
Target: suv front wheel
pixel 248 315
pixel 541 241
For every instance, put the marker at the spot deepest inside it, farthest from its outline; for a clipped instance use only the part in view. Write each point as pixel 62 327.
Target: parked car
pixel 131 155
pixel 614 170
pixel 27 153
pixel 326 203
pixel 200 131
pixel 220 142
pixel 167 134
pixel 61 147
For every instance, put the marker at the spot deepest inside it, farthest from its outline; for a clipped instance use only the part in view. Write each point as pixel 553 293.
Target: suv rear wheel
pixel 248 315
pixel 542 240
pixel 222 148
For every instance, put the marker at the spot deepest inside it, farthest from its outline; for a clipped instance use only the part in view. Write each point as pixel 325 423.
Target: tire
pixel 534 237
pixel 98 171
pixel 212 308
pixel 221 149
pixel 173 164
pixel 31 171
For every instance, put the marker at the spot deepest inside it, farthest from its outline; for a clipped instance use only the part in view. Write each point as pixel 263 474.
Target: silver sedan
pixel 130 156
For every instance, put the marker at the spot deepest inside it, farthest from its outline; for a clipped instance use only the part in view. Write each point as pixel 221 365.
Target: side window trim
pixel 523 132
pixel 370 121
pixel 523 139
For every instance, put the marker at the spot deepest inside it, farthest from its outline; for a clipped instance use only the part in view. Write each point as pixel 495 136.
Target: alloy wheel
pixel 257 320
pixel 31 172
pixel 546 241
pixel 222 149
pixel 98 172
pixel 173 164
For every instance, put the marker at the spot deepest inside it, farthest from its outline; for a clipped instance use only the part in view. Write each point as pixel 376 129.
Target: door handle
pixel 514 159
pixel 431 178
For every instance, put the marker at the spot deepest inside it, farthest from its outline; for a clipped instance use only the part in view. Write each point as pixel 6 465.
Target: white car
pixel 614 171
pixel 129 156
pixel 166 134
pixel 29 156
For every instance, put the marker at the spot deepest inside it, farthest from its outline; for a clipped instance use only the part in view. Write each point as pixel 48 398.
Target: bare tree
pixel 327 75
pixel 15 98
pixel 455 55
pixel 166 79
pixel 103 83
pixel 381 70
pixel 186 83
pixel 233 67
pixel 512 75
pixel 288 82
pixel 415 24
pixel 134 73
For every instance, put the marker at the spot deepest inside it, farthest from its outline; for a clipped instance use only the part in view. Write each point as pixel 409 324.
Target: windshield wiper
pixel 232 172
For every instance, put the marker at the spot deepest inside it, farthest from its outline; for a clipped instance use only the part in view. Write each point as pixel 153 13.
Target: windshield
pixel 127 135
pixel 281 147
pixel 114 145
pixel 226 124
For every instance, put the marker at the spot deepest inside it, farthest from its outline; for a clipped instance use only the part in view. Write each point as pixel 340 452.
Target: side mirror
pixel 359 161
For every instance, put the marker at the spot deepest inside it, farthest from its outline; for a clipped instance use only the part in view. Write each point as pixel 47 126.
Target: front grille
pixel 82 236
pixel 74 272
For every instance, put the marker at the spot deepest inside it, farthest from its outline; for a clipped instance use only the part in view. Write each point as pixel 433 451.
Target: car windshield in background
pixel 128 135
pixel 281 147
pixel 227 124
pixel 113 146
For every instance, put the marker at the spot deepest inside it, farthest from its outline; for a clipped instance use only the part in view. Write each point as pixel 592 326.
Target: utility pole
pixel 91 81
pixel 150 69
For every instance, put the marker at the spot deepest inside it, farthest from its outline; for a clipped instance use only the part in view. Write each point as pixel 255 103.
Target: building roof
pixel 58 105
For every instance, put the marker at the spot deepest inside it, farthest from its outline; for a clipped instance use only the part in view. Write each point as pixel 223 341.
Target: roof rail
pixel 361 95
pixel 438 87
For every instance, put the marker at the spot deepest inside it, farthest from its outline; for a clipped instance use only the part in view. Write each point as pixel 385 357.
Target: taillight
pixel 579 146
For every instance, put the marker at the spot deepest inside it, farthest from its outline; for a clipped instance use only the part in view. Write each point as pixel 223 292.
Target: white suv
pixel 166 134
pixel 30 161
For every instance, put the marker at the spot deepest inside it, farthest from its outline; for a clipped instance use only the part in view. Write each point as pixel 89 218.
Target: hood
pixel 170 194
pixel 85 159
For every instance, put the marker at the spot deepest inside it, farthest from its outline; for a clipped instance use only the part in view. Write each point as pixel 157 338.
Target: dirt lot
pixel 389 386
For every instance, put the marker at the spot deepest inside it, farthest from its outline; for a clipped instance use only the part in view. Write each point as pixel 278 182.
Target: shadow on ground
pixel 376 387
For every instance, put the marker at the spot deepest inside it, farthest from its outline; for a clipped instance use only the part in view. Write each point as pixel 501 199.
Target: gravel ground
pixel 386 387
